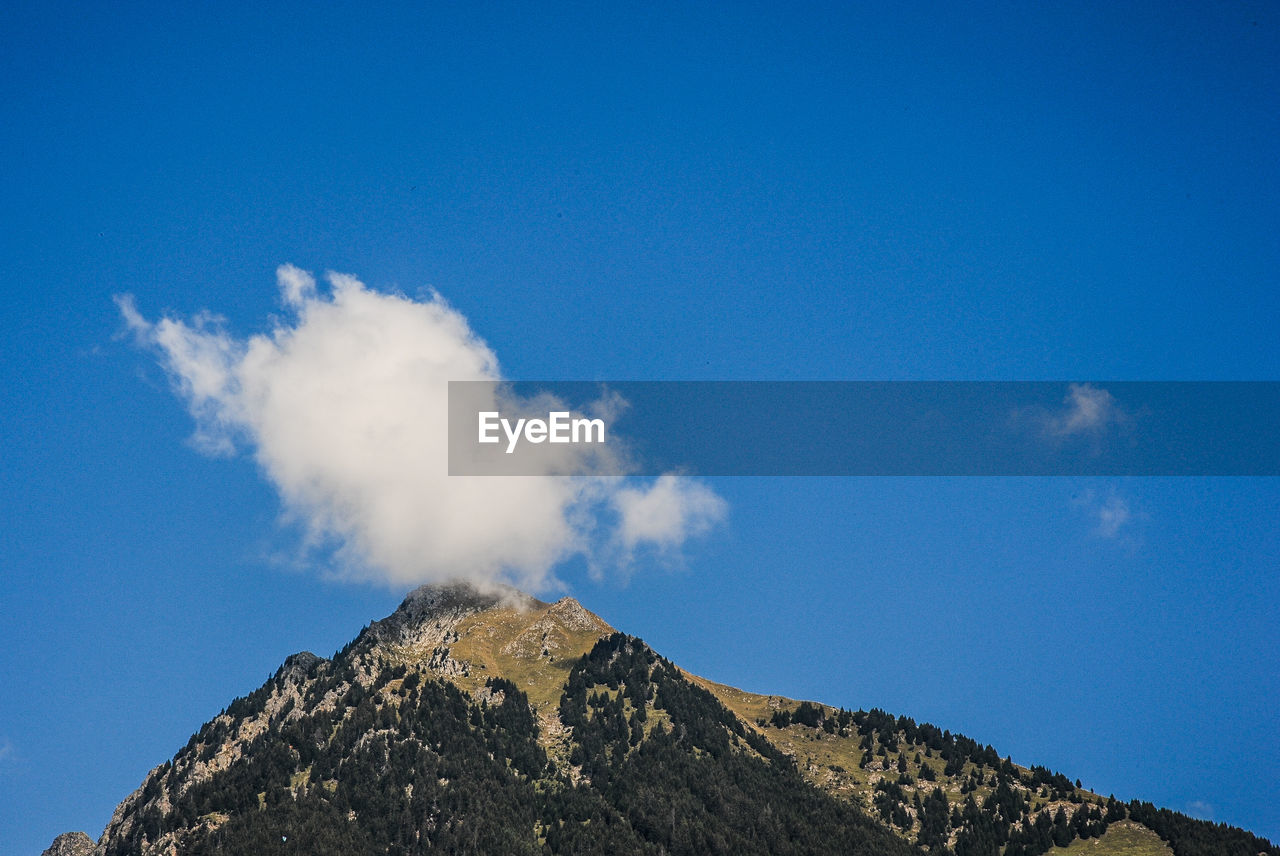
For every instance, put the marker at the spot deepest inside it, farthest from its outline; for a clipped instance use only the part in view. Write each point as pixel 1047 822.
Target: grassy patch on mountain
pixel 1124 838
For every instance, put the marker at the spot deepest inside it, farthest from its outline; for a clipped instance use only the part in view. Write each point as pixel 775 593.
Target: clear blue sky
pixel 670 191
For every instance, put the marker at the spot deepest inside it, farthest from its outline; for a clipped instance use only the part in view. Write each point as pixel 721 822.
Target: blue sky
pixel 656 192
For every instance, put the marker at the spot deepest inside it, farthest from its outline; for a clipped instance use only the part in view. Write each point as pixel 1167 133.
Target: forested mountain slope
pixel 491 722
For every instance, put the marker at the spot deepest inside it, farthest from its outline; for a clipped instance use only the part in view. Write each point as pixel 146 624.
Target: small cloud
pixel 1113 516
pixel 667 513
pixel 6 750
pixel 1088 420
pixel 1200 809
pixel 1088 410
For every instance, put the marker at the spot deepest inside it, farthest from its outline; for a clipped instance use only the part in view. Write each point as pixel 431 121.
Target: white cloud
pixel 1112 515
pixel 344 406
pixel 1088 410
pixel 296 285
pixel 667 513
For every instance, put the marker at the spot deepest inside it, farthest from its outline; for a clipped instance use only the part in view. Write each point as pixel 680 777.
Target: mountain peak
pixel 573 614
pixel 469 713
pixel 430 612
pixel 70 844
pixel 298 666
pixel 464 595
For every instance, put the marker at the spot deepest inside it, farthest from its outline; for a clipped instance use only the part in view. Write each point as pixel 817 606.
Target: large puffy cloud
pixel 344 406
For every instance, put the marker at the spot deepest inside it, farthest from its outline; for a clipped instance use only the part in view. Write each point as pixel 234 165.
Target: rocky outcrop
pixel 298 667
pixel 550 634
pixel 70 844
pixel 431 608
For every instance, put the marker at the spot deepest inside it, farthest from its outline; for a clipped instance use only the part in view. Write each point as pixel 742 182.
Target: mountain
pixel 486 721
pixel 70 844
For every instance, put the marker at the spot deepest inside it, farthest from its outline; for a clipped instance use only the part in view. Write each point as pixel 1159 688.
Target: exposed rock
pixel 70 844
pixel 298 667
pixel 574 615
pixel 430 611
pixel 549 635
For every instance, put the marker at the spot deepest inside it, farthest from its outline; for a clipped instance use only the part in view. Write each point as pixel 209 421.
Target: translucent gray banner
pixel 864 428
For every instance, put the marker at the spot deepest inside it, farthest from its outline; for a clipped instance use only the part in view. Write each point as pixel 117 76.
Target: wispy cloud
pixel 1200 809
pixel 1112 515
pixel 344 406
pixel 1087 410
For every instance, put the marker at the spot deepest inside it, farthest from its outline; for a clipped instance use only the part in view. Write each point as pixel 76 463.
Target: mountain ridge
pixel 541 686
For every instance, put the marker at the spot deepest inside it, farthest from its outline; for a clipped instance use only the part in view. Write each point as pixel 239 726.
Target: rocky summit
pixel 70 844
pixel 485 721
